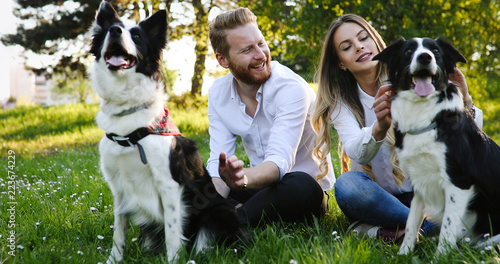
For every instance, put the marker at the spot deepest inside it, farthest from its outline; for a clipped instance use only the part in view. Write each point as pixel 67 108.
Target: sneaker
pixel 388 235
pixel 363 229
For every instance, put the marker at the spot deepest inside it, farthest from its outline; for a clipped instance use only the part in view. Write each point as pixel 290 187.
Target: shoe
pixel 388 235
pixel 363 229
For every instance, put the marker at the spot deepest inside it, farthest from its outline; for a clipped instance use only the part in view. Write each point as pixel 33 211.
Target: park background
pixel 63 210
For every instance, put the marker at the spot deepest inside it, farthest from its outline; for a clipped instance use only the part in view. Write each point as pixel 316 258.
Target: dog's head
pixel 420 64
pixel 137 48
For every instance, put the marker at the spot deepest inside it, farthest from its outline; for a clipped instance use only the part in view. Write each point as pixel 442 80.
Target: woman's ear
pixel 342 67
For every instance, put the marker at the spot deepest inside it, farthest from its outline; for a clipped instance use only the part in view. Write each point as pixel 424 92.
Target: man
pixel 268 106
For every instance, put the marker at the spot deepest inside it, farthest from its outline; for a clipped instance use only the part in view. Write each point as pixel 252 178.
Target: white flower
pixel 100 237
pixel 293 261
pixel 191 262
pixel 79 252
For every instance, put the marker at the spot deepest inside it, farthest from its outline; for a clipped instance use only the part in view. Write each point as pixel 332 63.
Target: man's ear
pixel 222 60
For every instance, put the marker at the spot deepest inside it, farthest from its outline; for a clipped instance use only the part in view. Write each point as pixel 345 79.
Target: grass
pixel 62 211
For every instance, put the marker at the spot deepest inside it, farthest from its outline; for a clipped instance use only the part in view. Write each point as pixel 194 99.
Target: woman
pixel 352 97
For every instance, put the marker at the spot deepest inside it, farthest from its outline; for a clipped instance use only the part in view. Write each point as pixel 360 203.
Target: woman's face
pixel 355 48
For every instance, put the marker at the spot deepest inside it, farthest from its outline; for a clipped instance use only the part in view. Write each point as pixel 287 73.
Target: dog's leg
pixel 171 198
pixel 120 232
pixel 413 223
pixel 454 212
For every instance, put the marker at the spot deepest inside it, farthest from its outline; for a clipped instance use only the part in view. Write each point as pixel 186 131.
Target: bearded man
pixel 268 106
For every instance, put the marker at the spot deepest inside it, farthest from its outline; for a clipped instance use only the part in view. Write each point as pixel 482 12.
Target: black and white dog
pixel 157 177
pixel 454 167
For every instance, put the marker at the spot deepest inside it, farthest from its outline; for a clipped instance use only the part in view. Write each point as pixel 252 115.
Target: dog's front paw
pixel 113 260
pixel 405 248
pixel 172 256
pixel 115 257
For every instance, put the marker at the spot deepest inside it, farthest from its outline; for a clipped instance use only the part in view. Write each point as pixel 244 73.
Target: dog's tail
pixel 219 224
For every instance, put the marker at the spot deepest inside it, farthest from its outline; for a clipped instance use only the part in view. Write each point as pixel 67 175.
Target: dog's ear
pixel 156 26
pixel 451 54
pixel 107 16
pixel 388 55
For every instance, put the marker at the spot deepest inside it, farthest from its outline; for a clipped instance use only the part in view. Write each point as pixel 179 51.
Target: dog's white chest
pixel 424 162
pixel 135 181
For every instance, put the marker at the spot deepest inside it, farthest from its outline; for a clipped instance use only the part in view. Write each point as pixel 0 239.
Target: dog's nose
pixel 115 31
pixel 424 58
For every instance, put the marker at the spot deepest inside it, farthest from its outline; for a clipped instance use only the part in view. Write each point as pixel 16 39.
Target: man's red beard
pixel 244 74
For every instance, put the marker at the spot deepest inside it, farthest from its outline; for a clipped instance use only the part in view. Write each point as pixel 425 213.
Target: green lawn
pixel 61 209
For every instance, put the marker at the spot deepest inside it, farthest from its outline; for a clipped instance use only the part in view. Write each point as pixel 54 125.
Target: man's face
pixel 249 57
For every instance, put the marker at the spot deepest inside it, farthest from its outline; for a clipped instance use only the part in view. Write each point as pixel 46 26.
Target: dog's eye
pixel 408 51
pixel 136 36
pixel 435 51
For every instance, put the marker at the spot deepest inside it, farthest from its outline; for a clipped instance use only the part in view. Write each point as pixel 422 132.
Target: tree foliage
pixel 295 29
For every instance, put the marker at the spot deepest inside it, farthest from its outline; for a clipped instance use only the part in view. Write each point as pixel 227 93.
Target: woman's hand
pixel 382 108
pixel 458 78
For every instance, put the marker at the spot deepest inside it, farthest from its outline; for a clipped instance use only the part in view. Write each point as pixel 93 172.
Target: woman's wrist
pixel 378 132
pixel 468 102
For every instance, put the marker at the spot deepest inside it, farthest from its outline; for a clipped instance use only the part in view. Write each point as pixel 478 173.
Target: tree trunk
pixel 200 29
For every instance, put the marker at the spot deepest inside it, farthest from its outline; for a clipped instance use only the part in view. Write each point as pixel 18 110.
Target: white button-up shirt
pixel 280 130
pixel 360 146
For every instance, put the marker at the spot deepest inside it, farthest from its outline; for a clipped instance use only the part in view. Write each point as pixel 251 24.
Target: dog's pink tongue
pixel 423 86
pixel 117 61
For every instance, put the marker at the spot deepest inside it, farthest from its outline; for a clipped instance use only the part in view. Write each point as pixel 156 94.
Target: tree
pixel 70 79
pixel 295 30
pixel 68 24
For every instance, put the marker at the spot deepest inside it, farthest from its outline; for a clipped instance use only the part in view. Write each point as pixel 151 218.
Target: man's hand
pixel 232 172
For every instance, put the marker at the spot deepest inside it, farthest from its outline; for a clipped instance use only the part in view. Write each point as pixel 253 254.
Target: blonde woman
pixel 352 96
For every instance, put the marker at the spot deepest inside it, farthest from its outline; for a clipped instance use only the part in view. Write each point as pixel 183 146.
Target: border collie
pixel 453 166
pixel 157 177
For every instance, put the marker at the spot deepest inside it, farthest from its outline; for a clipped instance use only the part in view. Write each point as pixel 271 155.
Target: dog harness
pixel 163 125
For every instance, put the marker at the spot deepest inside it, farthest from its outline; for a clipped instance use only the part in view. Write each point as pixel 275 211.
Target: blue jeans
pixel 359 197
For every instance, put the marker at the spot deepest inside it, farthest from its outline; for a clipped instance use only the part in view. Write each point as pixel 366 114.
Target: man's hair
pixel 226 21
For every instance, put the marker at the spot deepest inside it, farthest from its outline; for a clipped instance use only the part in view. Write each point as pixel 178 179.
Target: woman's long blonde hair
pixel 336 85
